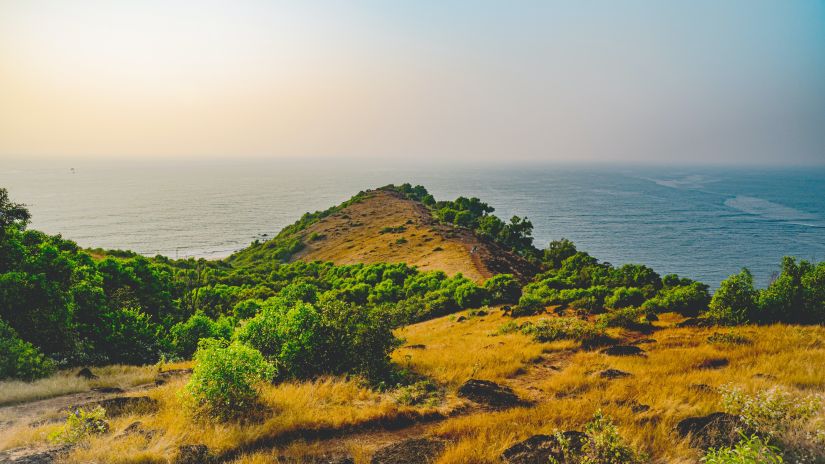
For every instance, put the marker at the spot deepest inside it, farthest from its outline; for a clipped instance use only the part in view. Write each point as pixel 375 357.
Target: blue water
pixel 704 223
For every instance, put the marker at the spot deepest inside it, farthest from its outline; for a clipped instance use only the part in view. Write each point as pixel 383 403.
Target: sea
pixel 700 222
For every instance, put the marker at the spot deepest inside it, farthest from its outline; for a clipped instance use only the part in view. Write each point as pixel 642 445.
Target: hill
pixel 384 226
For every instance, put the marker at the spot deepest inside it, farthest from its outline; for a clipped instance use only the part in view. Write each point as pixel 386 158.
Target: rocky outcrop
pixel 488 393
pixel 412 451
pixel 539 449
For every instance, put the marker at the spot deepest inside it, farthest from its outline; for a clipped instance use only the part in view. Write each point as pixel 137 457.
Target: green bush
pixel 735 300
pixel 749 450
pixel 81 424
pixel 628 318
pixel 503 289
pixel 623 297
pixel 688 300
pixel 226 379
pixel 184 336
pixel 604 445
pixel 246 308
pixel 566 328
pixel 131 337
pixel 20 359
pixel 335 337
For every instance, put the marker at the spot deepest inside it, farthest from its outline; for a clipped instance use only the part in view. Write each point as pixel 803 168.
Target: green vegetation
pixel 751 449
pixel 602 445
pixel 226 380
pixel 20 359
pixel 80 424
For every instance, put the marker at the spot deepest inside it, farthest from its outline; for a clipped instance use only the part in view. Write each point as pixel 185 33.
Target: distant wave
pixel 773 211
pixel 694 181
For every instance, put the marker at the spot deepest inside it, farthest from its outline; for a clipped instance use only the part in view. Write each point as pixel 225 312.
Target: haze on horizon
pixel 736 82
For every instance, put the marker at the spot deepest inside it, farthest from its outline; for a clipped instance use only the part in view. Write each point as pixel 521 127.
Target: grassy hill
pixel 383 226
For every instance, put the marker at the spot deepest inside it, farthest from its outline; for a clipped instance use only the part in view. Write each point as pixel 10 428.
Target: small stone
pixel 623 350
pixel 713 363
pixel 614 374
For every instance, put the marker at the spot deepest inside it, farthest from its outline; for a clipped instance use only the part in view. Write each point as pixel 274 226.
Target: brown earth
pixel 385 227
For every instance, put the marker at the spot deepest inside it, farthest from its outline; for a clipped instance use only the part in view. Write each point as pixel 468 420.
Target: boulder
pixel 34 455
pixel 136 428
pixel 412 451
pixel 488 393
pixel 712 431
pixel 108 390
pixel 539 449
pixel 623 350
pixel 613 374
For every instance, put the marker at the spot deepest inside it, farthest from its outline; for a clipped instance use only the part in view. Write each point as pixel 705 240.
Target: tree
pixel 735 301
pixel 557 251
pixel 12 213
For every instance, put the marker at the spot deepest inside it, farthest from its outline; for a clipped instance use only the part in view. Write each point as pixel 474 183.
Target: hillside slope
pixel 385 227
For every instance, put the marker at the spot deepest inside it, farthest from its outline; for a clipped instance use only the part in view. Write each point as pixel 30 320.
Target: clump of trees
pixel 574 278
pixel 796 296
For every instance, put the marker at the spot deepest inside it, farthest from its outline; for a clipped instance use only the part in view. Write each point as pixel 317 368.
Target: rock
pixel 651 317
pixel 713 363
pixel 121 405
pixel 335 459
pixel 691 322
pixel 107 390
pixel 623 350
pixel 712 431
pixel 613 374
pixel 539 449
pixel 86 373
pixel 193 454
pixel 461 319
pixel 701 388
pixel 412 451
pixel 136 428
pixel 417 346
pixel 488 393
pixel 639 408
pixel 642 341
pixel 34 455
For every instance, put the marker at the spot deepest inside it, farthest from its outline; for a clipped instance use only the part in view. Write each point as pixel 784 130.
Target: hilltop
pixel 385 226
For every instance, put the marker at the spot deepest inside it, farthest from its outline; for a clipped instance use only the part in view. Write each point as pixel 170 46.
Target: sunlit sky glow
pixel 583 81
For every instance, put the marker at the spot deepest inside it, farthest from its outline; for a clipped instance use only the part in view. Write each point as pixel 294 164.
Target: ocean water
pixel 704 223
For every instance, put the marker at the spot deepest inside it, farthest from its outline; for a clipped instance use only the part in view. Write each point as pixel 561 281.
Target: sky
pixel 677 82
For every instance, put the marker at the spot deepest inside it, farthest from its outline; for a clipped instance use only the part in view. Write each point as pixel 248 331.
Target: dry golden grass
pixel 560 378
pixel 65 382
pixel 286 409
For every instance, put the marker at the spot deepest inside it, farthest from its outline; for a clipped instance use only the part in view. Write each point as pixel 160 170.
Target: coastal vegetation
pixel 282 349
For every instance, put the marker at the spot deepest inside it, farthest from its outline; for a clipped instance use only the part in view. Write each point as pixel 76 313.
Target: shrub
pixel 728 338
pixel 503 289
pixel 566 328
pixel 20 359
pixel 80 424
pixel 528 304
pixel 688 300
pixel 792 420
pixel 750 449
pixel 184 336
pixel 604 445
pixel 623 297
pixel 735 300
pixel 629 318
pixel 335 337
pixel 226 379
pixel 424 392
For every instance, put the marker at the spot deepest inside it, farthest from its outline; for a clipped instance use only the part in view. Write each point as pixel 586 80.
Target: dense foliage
pixel 797 296
pixel 226 379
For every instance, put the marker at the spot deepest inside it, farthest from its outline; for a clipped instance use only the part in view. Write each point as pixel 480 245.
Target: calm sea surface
pixel 703 223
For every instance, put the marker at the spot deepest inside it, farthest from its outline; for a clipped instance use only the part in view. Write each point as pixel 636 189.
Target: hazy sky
pixel 639 81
